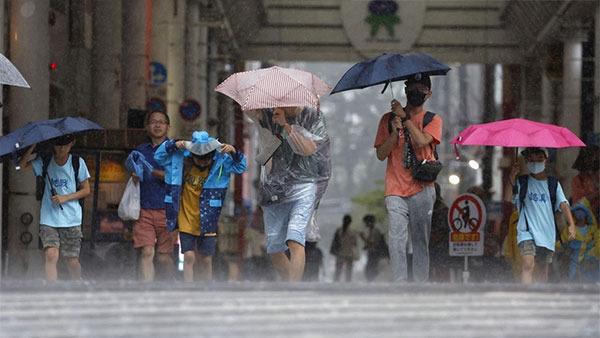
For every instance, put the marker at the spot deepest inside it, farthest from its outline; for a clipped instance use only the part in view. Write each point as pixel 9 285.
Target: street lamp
pixel 474 164
pixel 454 179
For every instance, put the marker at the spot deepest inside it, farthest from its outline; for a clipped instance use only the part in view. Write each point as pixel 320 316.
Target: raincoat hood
pixel 201 144
pixel 578 208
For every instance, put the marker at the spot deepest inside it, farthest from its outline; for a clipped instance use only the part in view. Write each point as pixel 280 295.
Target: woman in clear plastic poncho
pixel 292 180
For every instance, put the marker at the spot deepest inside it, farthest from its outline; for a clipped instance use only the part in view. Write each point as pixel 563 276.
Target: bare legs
pixel 290 269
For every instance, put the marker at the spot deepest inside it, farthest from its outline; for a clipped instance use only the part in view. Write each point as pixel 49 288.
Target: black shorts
pixel 206 244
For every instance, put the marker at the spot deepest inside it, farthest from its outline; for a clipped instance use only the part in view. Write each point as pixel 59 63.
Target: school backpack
pixel 41 180
pixel 552 186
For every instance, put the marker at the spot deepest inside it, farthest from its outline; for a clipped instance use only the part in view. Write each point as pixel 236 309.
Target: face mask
pixel 536 167
pixel 415 97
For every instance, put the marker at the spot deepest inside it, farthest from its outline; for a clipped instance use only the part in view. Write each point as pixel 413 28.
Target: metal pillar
pixel 531 90
pixel 597 77
pixel 489 115
pixel 106 63
pixel 213 81
pixel 547 109
pixel 134 57
pixel 176 67
pixel 29 51
pixel 2 33
pixel 511 84
pixel 570 116
pixel 195 61
pixel 161 10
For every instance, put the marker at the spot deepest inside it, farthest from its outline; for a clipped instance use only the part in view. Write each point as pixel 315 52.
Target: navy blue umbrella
pixel 387 68
pixel 36 132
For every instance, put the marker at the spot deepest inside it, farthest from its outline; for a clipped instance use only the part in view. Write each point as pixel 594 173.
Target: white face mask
pixel 536 167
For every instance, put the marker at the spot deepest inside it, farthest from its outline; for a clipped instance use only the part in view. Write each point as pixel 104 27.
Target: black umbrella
pixel 387 68
pixel 40 131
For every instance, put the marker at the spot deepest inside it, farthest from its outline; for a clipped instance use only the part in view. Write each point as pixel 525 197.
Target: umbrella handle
pixel 52 190
pixel 389 83
pixel 456 152
pixel 14 156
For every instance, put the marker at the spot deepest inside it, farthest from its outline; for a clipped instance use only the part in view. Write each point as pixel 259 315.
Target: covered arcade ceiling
pixel 481 31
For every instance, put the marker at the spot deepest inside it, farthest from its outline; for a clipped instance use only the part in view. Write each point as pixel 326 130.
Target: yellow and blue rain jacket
pixel 213 192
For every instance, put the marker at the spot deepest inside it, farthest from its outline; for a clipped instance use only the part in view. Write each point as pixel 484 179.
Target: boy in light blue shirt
pixel 536 228
pixel 61 214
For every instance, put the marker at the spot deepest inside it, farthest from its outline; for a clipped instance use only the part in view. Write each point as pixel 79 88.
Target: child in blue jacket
pixel 194 199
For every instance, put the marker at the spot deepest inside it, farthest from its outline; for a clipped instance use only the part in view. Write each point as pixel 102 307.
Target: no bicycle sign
pixel 466 218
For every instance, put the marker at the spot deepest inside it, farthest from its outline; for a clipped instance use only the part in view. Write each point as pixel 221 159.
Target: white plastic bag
pixel 129 208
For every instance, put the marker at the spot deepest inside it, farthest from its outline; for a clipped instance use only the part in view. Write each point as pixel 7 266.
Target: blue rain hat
pixel 201 144
pixel 580 211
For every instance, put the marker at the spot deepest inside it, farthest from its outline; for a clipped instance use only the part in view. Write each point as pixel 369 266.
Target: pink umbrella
pixel 273 87
pixel 517 133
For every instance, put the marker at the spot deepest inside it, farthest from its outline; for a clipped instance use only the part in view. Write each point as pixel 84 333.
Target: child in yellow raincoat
pixel 511 250
pixel 584 250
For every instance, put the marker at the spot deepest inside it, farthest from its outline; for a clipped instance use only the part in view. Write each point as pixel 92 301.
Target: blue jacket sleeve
pixel 162 154
pixel 237 162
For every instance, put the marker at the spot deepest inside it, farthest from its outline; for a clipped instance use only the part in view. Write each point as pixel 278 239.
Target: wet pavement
pixel 246 309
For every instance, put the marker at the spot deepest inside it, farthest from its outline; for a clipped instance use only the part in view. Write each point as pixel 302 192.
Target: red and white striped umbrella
pixel 274 87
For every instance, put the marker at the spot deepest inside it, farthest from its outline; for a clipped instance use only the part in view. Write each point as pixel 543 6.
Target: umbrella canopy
pixel 273 87
pixel 518 133
pixel 9 75
pixel 387 68
pixel 36 132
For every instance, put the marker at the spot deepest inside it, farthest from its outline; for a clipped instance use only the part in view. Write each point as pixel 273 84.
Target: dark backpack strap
pixel 523 179
pixel 392 115
pixel 523 189
pixel 40 186
pixel 426 120
pixel 75 164
pixel 552 188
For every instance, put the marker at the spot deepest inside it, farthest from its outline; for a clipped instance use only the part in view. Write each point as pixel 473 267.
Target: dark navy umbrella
pixel 36 132
pixel 387 68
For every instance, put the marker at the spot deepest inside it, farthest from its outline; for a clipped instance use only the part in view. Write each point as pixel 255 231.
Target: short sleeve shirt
pixel 152 189
pixel 539 213
pixel 398 180
pixel 62 178
pixel 189 217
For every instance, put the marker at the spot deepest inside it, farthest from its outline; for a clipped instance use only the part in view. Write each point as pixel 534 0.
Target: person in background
pixel 438 243
pixel 587 182
pixel 314 262
pixel 375 246
pixel 584 249
pixel 345 255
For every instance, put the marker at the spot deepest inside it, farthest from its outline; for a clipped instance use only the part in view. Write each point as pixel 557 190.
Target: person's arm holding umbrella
pixel 418 137
pixel 510 183
pixel 384 150
pixel 304 145
pixel 24 162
